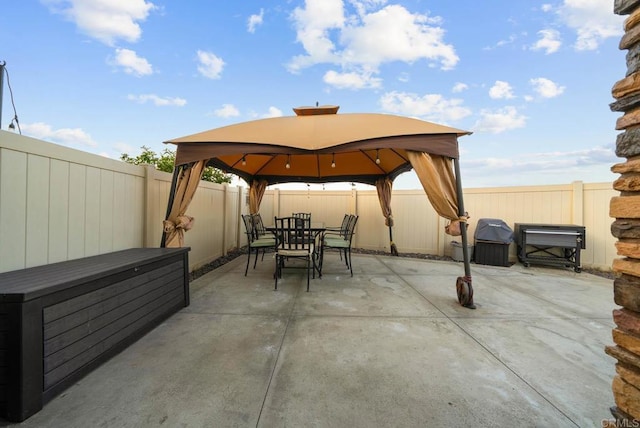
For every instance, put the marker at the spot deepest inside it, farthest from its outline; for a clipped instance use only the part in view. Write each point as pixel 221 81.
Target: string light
pixel 288 164
pixel 377 157
pixel 244 160
pixel 333 160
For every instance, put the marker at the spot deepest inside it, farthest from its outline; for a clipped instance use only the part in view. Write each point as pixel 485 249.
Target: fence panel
pixel 58 203
pixel 417 226
pixel 600 246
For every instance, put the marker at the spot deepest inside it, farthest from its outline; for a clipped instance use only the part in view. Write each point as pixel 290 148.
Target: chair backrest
pixel 249 227
pixel 302 215
pixel 293 233
pixel 258 225
pixel 351 228
pixel 344 227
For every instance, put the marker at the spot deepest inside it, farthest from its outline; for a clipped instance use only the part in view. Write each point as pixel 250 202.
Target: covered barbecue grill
pixel 492 239
pixel 556 244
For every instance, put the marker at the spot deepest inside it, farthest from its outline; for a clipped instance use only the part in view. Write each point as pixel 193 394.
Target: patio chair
pixel 341 230
pixel 259 228
pixel 255 242
pixel 294 240
pixel 342 243
pixel 302 215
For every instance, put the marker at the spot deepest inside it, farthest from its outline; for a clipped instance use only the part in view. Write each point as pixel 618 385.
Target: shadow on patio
pixel 389 347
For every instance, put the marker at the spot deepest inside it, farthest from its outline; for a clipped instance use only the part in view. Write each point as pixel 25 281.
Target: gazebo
pixel 318 145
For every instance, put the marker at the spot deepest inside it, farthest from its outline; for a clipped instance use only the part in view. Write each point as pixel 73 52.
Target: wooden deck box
pixel 60 321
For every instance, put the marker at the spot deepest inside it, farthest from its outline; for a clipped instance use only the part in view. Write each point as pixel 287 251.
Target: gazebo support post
pixel 464 287
pixel 392 247
pixel 172 196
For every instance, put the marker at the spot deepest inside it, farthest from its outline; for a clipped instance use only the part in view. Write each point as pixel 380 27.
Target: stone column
pixel 626 227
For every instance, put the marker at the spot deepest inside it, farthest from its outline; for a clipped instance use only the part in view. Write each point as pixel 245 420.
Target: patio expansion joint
pixel 407 317
pixel 275 362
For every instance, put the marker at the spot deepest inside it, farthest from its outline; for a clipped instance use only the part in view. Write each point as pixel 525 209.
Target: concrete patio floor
pixel 389 347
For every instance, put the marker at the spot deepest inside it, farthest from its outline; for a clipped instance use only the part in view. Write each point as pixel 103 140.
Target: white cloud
pixel 254 21
pixel 64 136
pixel 273 112
pixel 158 101
pixel 226 111
pixel 210 65
pixel 459 87
pixel 105 20
pixel 546 88
pixel 546 7
pixel 500 120
pixel 403 77
pixel 363 6
pixel 593 21
pixel 351 80
pixel 367 39
pixel 131 63
pixel 395 34
pixel 544 161
pixel 501 90
pixel 123 148
pixel 512 38
pixel 549 41
pixel 430 106
pixel 313 24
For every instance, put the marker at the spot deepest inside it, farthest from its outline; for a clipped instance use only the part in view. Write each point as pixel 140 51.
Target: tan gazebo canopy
pixel 317 146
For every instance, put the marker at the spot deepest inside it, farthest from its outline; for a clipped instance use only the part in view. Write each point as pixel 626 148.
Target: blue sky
pixel 531 79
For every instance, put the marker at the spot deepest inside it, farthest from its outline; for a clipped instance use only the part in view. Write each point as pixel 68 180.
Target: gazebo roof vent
pixel 312 111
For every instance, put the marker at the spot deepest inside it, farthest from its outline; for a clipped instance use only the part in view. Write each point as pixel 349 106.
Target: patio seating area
pixel 390 346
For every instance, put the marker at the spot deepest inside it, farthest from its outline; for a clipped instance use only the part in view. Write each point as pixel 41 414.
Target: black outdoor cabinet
pixel 60 321
pixel 553 244
pixel 492 239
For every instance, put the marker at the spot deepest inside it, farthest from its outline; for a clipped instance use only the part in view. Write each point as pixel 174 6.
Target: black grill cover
pixel 493 230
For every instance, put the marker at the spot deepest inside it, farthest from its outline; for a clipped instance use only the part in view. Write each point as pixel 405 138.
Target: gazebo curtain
pixel 436 176
pixel 384 186
pixel 177 222
pixel 256 192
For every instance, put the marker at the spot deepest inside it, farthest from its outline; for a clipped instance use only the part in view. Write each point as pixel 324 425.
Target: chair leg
pixel 246 269
pixel 256 259
pixel 308 265
pixel 350 263
pixel 346 260
pixel 275 274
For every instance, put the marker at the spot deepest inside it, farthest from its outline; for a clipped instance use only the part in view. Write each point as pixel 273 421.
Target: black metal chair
pixel 294 240
pixel 259 228
pixel 341 230
pixel 342 243
pixel 255 242
pixel 302 215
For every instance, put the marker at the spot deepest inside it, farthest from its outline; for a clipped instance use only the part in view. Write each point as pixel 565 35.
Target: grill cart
pixel 556 244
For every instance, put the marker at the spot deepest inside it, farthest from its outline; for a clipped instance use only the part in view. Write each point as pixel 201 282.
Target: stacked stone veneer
pixel 626 227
